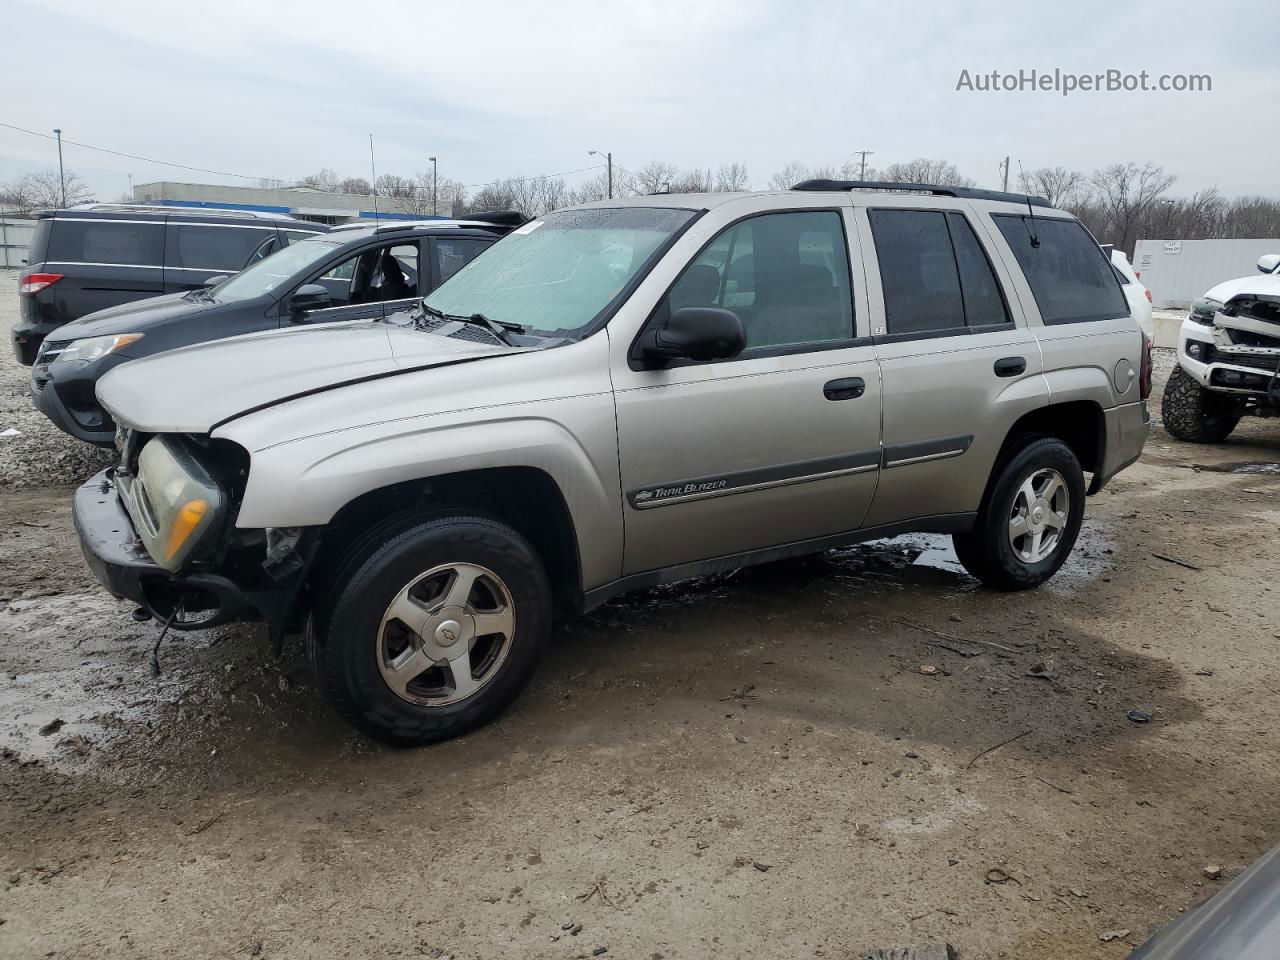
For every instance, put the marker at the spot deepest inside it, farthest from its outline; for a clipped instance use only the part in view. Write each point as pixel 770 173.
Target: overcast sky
pixel 496 89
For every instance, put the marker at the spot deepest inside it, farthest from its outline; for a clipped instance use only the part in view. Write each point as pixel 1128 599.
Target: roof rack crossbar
pixel 968 193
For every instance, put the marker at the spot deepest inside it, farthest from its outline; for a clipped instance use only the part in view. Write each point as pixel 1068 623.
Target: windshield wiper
pixel 499 328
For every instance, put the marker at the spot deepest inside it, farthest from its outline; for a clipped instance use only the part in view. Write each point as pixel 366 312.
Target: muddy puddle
pixel 1260 468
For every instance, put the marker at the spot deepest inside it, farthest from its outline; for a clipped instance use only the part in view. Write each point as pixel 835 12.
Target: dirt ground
pixel 742 766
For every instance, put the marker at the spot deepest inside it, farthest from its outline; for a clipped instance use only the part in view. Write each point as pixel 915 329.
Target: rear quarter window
pixel 38 248
pixel 194 246
pixel 1070 276
pixel 124 242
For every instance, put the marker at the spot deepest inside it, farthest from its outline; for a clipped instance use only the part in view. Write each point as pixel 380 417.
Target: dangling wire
pixel 176 612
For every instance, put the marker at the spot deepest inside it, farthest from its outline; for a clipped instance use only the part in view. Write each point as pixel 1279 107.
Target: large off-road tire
pixel 431 629
pixel 1029 519
pixel 1192 413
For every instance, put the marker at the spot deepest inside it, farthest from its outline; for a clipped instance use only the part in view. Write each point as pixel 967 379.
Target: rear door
pixel 197 251
pixel 959 365
pixel 105 261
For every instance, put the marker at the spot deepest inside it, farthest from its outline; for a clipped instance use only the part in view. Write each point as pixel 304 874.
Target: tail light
pixel 1148 293
pixel 33 283
pixel 1148 367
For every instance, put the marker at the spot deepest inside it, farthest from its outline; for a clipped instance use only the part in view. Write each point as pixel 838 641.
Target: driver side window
pixel 377 275
pixel 786 276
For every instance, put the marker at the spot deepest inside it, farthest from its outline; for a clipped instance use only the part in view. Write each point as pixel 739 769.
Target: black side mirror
pixel 697 333
pixel 214 281
pixel 309 296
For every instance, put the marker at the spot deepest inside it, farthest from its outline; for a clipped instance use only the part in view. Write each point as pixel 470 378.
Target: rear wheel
pixel 1192 413
pixel 433 629
pixel 1030 520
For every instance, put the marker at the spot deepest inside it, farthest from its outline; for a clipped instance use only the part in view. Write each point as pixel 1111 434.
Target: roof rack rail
pixel 501 218
pixel 94 206
pixel 968 193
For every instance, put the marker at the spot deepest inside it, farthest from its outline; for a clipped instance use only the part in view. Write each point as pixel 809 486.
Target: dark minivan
pixel 359 271
pixel 97 255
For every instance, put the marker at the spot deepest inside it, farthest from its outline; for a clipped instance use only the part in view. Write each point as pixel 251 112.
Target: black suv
pixel 353 272
pixel 99 255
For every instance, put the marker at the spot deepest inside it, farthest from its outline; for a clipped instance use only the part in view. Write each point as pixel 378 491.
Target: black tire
pixel 1192 413
pixel 986 551
pixel 346 632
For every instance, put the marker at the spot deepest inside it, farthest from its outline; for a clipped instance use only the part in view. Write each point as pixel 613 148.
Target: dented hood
pixel 192 389
pixel 1260 284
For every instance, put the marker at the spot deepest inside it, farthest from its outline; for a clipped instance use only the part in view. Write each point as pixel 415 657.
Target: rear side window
pixel 294 236
pixel 194 246
pixel 38 248
pixel 918 272
pixel 984 304
pixel 1070 276
pixel 128 243
pixel 454 253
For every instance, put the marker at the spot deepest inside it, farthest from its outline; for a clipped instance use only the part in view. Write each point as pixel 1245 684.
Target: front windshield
pixel 555 275
pixel 266 275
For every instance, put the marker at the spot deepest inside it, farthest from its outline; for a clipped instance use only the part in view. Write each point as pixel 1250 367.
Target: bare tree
pixel 597 188
pixel 325 180
pixel 731 177
pixel 654 177
pixel 941 173
pixel 1058 185
pixel 356 185
pixel 45 190
pixel 691 181
pixel 790 175
pixel 1126 194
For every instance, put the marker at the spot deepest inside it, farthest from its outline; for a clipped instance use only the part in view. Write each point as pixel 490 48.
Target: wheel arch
pixel 525 498
pixel 1080 424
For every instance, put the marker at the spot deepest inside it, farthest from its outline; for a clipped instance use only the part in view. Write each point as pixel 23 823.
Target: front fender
pixel 306 482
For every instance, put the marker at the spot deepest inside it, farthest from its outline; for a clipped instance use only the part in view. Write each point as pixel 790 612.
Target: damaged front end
pixel 159 529
pixel 1239 352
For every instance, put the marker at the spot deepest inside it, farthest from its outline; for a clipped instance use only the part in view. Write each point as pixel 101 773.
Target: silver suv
pixel 615 396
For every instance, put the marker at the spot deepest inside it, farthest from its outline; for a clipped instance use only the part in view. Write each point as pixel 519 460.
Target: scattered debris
pixel 740 738
pixel 206 825
pixel 1139 716
pixel 742 693
pixel 575 929
pixel 1050 783
pixel 52 727
pixel 954 639
pixel 762 867
pixel 925 951
pixel 997 875
pixel 928 669
pixel 1213 872
pixel 599 951
pixel 1043 670
pixel 11 432
pixel 597 889
pixel 1113 935
pixel 1182 563
pixel 1002 743
pixel 1204 673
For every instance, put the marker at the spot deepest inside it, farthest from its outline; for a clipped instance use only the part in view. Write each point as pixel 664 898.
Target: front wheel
pixel 433 629
pixel 1030 520
pixel 1192 413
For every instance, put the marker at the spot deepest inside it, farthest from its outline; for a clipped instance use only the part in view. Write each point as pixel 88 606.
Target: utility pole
pixel 434 184
pixel 62 177
pixel 608 159
pixel 862 171
pixel 1005 167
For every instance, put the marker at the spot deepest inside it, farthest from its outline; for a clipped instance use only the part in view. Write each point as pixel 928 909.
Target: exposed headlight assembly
pixel 94 348
pixel 1203 310
pixel 173 502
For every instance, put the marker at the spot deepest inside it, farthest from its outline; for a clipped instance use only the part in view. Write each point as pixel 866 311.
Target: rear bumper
pixel 115 555
pixel 1127 427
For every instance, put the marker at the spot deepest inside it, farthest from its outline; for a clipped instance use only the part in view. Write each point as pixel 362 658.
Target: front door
pixel 374 283
pixel 780 445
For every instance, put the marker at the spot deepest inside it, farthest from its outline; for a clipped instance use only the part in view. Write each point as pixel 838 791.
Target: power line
pixel 246 176
pixel 133 156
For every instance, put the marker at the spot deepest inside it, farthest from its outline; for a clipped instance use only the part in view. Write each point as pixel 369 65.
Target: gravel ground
pixel 41 455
